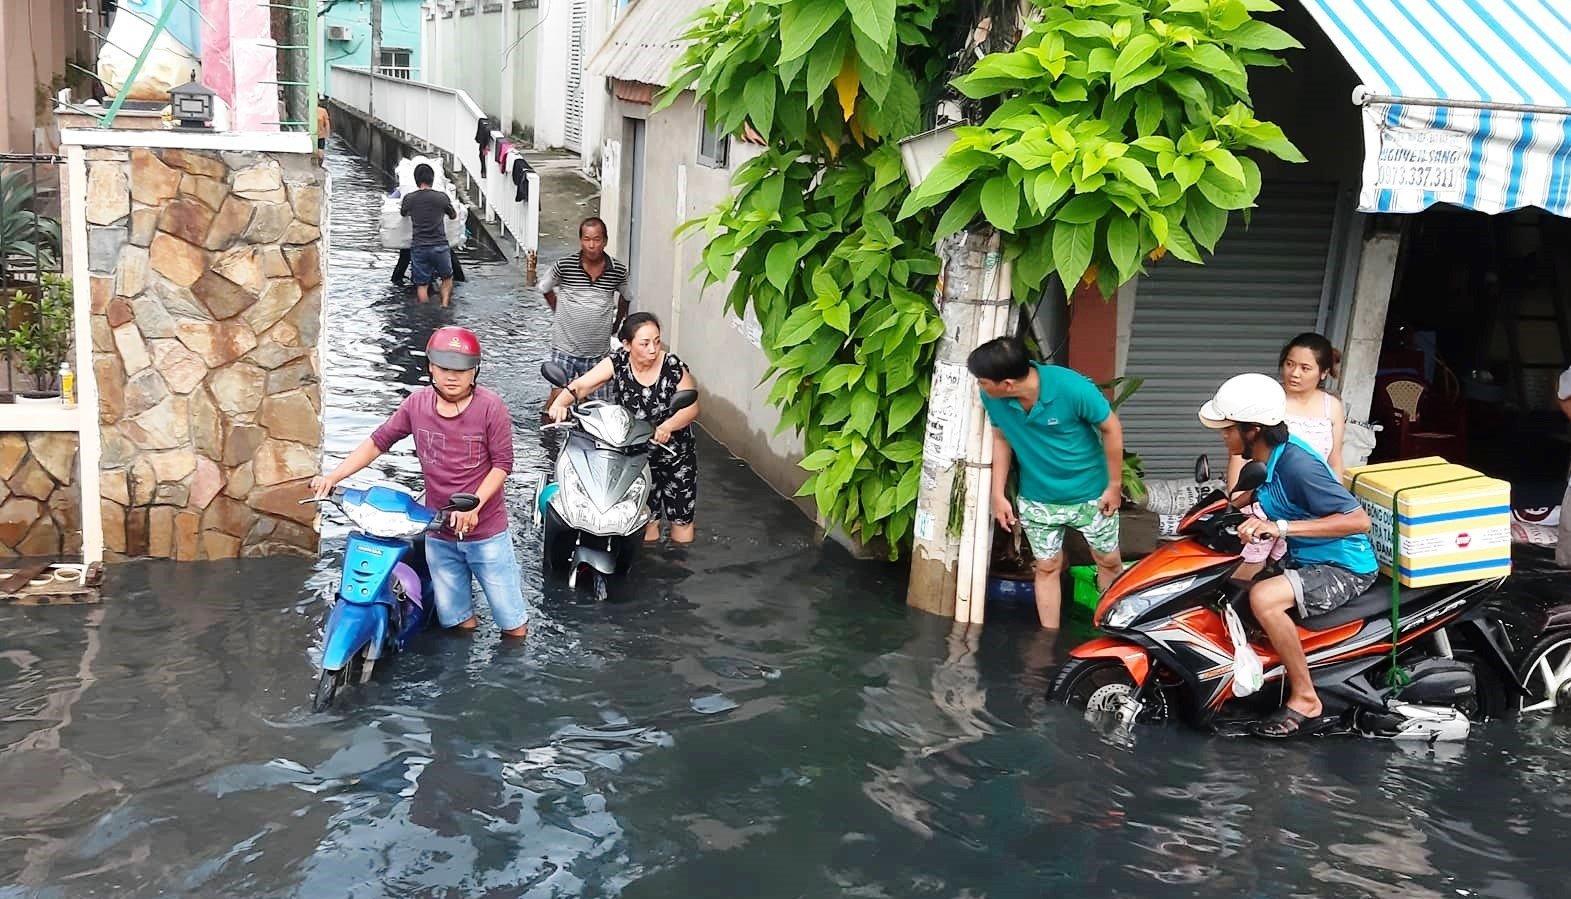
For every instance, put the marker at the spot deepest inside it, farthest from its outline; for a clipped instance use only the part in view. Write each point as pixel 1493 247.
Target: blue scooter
pixel 382 592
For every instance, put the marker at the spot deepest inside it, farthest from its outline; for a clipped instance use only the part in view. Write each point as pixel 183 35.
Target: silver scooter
pixel 596 505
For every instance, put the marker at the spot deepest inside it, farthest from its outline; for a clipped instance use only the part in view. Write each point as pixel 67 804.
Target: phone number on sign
pixel 1427 177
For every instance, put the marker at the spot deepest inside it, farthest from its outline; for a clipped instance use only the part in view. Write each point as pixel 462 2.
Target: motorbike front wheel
pixel 1096 687
pixel 327 688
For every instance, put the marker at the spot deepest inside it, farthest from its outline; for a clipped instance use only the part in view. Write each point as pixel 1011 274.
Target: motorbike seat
pixel 1374 602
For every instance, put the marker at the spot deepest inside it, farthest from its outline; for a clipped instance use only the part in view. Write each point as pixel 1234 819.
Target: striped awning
pixel 1465 101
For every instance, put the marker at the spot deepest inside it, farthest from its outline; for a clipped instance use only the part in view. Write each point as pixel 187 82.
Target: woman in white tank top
pixel 1313 416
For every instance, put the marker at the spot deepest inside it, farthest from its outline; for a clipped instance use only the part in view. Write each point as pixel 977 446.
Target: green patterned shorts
pixel 1044 525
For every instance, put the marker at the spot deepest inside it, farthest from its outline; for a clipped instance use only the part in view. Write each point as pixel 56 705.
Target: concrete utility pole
pixel 376 57
pixel 954 529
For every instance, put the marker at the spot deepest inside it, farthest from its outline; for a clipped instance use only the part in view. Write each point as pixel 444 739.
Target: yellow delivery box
pixel 1434 522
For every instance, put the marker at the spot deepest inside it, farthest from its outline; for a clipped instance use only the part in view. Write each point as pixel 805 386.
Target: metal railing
pixel 36 312
pixel 446 120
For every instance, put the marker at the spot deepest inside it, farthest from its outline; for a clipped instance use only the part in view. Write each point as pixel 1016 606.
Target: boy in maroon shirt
pixel 464 440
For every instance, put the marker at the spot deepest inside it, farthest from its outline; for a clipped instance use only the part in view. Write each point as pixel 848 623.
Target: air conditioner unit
pixel 340 33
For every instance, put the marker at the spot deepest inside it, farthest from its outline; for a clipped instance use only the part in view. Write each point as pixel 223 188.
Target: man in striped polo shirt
pixel 590 293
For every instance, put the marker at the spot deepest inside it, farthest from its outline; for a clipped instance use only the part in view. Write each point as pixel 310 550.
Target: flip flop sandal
pixel 1291 724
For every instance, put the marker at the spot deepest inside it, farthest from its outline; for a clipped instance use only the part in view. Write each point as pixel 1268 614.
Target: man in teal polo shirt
pixel 1071 451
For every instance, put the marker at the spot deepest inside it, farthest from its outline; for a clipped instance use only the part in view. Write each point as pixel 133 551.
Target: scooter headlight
pixel 580 512
pixel 1129 609
pixel 382 523
pixel 624 516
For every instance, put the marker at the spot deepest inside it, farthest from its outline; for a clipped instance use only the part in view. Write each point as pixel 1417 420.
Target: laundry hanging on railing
pixel 483 139
pixel 521 170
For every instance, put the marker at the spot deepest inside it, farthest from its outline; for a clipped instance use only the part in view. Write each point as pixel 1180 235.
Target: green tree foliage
pixel 1122 137
pixel 1118 138
pixel 842 291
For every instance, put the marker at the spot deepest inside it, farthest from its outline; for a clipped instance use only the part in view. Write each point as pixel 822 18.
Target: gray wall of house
pixel 676 187
pixel 469 53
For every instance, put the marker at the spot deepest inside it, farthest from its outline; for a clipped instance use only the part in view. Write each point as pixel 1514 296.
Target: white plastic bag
pixel 396 230
pixel 1247 674
pixel 455 229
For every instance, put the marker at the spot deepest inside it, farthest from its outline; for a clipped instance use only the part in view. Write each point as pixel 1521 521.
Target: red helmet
pixel 456 349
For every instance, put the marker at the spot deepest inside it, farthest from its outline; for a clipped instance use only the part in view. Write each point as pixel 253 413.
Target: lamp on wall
pixel 192 106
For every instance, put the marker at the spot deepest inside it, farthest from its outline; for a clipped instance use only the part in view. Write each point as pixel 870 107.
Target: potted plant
pixel 39 341
pixel 29 240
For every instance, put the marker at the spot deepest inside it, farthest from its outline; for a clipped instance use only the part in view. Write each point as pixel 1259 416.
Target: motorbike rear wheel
pixel 1546 671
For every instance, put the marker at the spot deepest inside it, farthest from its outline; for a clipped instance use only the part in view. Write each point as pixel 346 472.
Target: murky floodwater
pixel 759 717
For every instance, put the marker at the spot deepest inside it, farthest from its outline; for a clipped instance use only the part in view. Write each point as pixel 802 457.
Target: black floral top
pixel 651 403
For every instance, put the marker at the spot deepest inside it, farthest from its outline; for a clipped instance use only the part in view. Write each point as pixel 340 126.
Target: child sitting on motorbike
pixel 1329 558
pixel 464 440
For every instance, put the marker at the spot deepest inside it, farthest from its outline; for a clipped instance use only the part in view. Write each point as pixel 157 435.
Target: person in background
pixel 1313 416
pixel 644 377
pixel 590 292
pixel 1070 446
pixel 324 128
pixel 464 441
pixel 402 268
pixel 428 250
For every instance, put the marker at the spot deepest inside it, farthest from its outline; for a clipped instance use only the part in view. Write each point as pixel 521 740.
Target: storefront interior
pixel 1478 332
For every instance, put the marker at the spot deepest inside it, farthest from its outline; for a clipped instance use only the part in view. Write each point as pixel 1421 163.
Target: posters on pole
pixel 947 405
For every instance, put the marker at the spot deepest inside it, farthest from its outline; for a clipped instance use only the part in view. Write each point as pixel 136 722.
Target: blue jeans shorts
pixel 493 563
pixel 431 264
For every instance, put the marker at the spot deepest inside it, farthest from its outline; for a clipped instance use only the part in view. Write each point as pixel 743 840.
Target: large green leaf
pixel 903 408
pixel 1257 35
pixel 1135 54
pixel 1073 244
pixel 803 22
pixel 1205 222
pixel 949 173
pixel 876 19
pixel 780 264
pixel 824 63
pixel 1123 246
pixel 803 322
pixel 1001 202
pixel 903 451
pixel 961 211
pixel 759 96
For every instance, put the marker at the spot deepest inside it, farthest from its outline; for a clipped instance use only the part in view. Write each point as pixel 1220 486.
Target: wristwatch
pixel 1281 527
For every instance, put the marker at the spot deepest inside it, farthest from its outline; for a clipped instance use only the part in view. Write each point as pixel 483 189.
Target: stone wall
pixel 40 495
pixel 206 281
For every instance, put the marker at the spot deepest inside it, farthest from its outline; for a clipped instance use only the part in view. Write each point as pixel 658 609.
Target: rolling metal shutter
pixel 1195 326
pixel 574 136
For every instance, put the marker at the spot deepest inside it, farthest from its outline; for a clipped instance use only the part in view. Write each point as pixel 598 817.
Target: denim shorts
pixel 431 264
pixel 493 563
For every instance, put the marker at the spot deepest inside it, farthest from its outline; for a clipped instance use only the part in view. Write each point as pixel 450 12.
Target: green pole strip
pixel 108 119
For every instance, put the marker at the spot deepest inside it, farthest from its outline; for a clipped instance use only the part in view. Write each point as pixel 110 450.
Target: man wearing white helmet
pixel 1329 558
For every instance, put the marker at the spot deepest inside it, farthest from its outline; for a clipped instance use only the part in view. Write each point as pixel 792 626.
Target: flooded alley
pixel 758 715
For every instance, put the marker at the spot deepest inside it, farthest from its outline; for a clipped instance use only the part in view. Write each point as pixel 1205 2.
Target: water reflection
pixel 757 715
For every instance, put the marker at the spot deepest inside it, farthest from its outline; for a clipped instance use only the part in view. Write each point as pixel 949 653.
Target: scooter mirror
pixel 682 399
pixel 1250 478
pixel 1202 469
pixel 464 502
pixel 554 374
